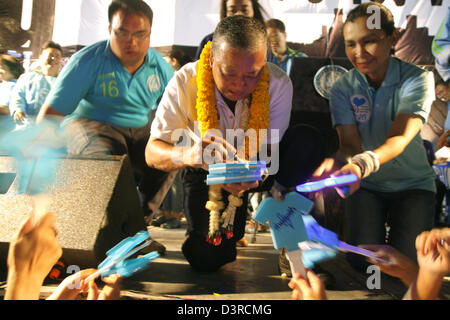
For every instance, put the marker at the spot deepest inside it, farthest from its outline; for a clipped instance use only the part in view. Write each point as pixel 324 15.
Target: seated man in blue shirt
pixel 107 90
pixel 279 53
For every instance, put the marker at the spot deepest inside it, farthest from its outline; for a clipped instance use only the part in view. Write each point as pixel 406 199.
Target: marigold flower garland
pixel 256 117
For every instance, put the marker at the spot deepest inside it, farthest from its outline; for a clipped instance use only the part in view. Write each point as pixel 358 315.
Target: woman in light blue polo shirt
pixel 378 109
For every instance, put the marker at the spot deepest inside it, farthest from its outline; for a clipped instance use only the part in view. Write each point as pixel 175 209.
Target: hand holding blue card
pixel 335 181
pixel 116 261
pixel 324 239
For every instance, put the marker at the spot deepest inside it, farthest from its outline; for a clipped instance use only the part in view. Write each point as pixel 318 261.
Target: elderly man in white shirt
pixel 231 88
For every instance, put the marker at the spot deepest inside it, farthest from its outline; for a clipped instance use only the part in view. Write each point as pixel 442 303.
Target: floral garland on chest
pixel 255 116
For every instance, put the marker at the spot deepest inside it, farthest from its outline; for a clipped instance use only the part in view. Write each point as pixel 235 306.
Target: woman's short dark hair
pixel 131 6
pixel 364 10
pixel 14 66
pixel 180 56
pixel 257 9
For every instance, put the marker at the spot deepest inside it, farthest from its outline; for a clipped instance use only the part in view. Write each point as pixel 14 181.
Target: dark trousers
pixel 301 152
pixel 407 213
pixel 202 255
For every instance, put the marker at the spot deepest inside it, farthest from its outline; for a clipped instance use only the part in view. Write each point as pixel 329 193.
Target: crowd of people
pixel 119 96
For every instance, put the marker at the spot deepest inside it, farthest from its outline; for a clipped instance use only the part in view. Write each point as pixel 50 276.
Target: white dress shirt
pixel 177 107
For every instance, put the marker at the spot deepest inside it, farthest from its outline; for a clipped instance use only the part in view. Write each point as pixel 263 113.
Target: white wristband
pixel 376 160
pixel 367 161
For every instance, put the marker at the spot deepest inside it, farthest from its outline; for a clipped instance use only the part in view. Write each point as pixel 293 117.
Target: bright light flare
pixel 27 14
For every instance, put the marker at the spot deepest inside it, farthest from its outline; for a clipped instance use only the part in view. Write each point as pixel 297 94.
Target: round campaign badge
pixel 153 83
pixel 326 77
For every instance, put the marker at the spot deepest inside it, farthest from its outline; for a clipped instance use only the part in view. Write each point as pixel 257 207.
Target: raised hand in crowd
pixel 311 288
pixel 433 256
pixel 74 285
pixel 33 251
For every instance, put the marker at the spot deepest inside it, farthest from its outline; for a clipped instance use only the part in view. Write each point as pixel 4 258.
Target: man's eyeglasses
pixel 126 36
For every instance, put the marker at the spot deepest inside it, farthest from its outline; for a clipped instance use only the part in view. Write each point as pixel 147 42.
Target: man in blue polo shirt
pixel 107 91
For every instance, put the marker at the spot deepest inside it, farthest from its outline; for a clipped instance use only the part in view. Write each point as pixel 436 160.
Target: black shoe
pixel 158 222
pixel 284 268
pixel 148 220
pixel 171 224
pixel 154 246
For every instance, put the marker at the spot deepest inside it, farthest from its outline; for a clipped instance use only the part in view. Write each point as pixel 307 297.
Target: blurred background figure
pixel 177 58
pixel 249 8
pixel 10 71
pixel 171 210
pixel 279 53
pixel 33 87
pixel 441 50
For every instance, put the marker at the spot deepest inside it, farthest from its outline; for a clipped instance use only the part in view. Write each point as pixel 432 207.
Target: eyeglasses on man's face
pixel 126 36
